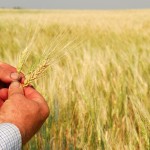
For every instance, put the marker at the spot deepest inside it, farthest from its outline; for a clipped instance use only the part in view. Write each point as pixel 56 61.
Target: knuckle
pixel 46 111
pixel 17 95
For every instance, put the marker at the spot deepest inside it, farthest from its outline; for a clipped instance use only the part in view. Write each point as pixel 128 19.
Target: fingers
pixel 35 96
pixel 32 94
pixel 4 94
pixel 8 67
pixel 15 88
pixel 9 73
pixel 7 76
pixel 1 102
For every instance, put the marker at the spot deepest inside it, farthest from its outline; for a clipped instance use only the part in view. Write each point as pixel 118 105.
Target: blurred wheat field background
pixel 99 93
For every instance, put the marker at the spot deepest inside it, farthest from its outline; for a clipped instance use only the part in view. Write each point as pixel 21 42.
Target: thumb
pixel 15 88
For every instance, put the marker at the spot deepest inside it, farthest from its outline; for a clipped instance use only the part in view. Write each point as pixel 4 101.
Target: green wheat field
pixel 98 90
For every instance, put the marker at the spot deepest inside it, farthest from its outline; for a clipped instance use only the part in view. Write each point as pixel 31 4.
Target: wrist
pixel 1 120
pixel 17 125
pixel 11 134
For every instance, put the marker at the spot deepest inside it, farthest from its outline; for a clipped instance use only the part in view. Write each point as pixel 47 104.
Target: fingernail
pixel 14 84
pixel 15 76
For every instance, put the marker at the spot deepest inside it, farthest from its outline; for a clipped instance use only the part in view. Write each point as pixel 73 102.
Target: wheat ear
pixel 47 60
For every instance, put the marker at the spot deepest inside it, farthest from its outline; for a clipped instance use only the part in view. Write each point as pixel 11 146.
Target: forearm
pixel 10 137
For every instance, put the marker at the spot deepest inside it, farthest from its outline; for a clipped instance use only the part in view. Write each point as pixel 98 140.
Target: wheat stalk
pixel 27 51
pixel 25 54
pixel 48 59
pixel 22 59
pixel 51 55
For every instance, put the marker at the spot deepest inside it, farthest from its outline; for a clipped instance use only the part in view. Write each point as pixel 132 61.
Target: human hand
pixel 25 108
pixel 7 75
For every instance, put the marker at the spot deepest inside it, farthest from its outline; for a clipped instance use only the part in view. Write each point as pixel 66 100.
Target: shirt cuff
pixel 10 137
